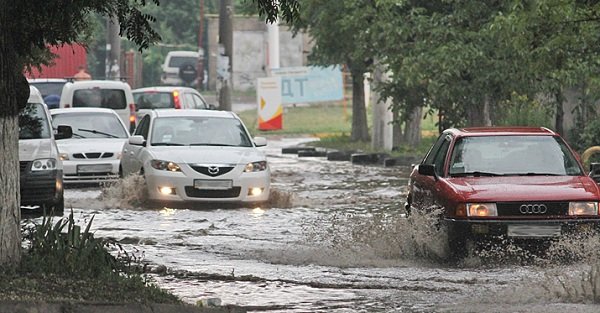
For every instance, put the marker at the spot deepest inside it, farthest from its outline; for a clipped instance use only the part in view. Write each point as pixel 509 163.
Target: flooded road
pixel 334 240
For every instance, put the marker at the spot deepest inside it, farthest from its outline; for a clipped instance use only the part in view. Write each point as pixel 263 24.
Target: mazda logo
pixel 213 170
pixel 533 209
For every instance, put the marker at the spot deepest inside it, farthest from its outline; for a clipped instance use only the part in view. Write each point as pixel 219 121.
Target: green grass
pixel 319 120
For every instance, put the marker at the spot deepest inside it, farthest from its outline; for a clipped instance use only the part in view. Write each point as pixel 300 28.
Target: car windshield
pixel 91 124
pixel 33 123
pixel 153 100
pixel 49 88
pixel 199 131
pixel 512 155
pixel 100 98
pixel 179 61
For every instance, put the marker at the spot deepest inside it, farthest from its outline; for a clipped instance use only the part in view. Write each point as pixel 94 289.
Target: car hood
pixel 90 145
pixel 32 149
pixel 208 155
pixel 525 188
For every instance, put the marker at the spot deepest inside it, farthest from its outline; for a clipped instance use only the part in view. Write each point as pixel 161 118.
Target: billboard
pixel 307 84
pixel 270 107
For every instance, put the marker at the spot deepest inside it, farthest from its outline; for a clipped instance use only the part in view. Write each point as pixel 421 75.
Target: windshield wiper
pixel 167 144
pixel 212 144
pixel 535 174
pixel 97 132
pixel 475 174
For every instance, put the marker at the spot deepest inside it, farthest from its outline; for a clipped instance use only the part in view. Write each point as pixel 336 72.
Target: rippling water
pixel 335 239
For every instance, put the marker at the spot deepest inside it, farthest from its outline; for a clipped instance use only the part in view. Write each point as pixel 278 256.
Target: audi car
pixel 188 156
pixel 522 184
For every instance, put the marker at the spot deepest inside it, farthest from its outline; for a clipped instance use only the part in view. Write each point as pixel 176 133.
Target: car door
pixel 132 153
pixel 425 189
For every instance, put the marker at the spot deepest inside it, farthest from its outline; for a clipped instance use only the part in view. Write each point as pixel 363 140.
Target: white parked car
pixel 93 154
pixel 197 155
pixel 41 177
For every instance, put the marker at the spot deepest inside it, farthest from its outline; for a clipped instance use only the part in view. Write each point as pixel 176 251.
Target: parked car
pixel 50 88
pixel 197 156
pixel 515 183
pixel 180 68
pixel 165 97
pixel 41 182
pixel 93 154
pixel 108 94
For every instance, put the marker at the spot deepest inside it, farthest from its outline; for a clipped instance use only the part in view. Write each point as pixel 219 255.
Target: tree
pixel 338 30
pixel 27 29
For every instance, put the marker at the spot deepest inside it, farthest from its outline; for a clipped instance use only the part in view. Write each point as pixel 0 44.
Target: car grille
pixel 532 208
pixel 23 166
pixel 212 171
pixel 92 155
pixel 213 194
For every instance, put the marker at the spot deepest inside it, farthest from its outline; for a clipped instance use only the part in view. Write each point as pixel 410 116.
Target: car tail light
pixel 132 118
pixel 176 99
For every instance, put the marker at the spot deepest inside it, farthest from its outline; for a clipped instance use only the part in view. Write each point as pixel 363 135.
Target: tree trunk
pixel 360 131
pixel 412 128
pixel 226 41
pixel 14 90
pixel 560 113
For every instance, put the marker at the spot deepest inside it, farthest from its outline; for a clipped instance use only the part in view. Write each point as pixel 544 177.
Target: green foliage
pixel 520 110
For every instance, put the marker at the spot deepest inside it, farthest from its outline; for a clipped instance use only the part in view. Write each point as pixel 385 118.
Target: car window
pixel 91 124
pixel 434 149
pixel 440 156
pixel 49 88
pixel 153 100
pixel 179 61
pixel 199 131
pixel 143 126
pixel 188 101
pixel 100 98
pixel 513 155
pixel 33 122
pixel 199 102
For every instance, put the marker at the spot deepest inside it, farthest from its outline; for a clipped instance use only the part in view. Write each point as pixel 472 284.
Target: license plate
pixel 534 230
pixel 94 168
pixel 223 184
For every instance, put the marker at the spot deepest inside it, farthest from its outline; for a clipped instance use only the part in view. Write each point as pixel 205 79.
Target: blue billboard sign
pixel 310 84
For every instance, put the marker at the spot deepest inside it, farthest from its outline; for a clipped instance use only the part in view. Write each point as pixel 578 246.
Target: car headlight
pixel 43 165
pixel 482 209
pixel 63 156
pixel 165 165
pixel 583 208
pixel 118 155
pixel 256 166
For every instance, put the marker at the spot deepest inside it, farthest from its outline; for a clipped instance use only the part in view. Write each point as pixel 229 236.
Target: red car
pixel 519 183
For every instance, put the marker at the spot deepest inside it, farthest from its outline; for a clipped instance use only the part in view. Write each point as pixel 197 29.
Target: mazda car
pixel 521 183
pixel 188 156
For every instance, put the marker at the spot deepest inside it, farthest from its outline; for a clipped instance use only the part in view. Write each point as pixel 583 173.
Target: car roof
pixel 99 83
pixel 82 110
pixel 46 80
pixel 183 53
pixel 501 131
pixel 162 89
pixel 192 112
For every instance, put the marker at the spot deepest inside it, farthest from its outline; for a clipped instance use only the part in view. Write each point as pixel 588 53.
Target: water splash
pixel 127 193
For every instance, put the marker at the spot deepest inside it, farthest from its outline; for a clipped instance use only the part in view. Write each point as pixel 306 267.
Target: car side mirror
pixel 260 141
pixel 137 140
pixel 428 170
pixel 63 132
pixel 595 171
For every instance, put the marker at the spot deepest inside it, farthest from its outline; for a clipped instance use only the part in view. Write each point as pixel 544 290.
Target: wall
pixel 250 51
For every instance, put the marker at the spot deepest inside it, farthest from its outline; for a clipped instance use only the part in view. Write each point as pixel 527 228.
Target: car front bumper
pixel 90 171
pixel 39 188
pixel 186 192
pixel 519 229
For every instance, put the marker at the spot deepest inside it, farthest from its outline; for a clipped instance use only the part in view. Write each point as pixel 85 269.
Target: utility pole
pixel 113 49
pixel 201 50
pixel 225 65
pixel 273 35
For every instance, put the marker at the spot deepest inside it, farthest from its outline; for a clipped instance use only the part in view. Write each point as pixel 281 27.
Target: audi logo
pixel 533 209
pixel 213 169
